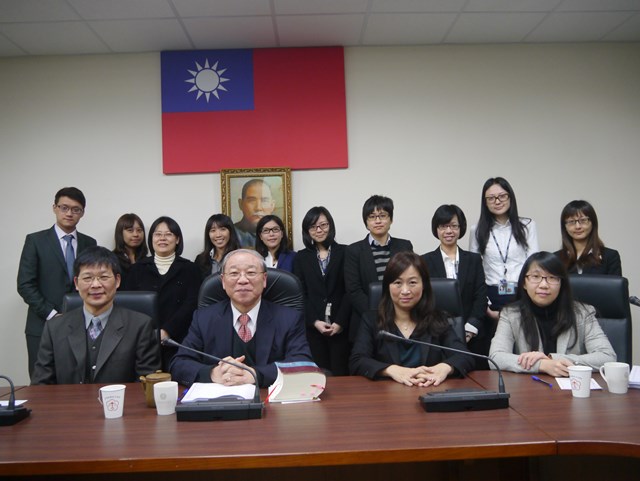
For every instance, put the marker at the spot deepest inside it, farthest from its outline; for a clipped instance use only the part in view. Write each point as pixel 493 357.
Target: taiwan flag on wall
pixel 224 109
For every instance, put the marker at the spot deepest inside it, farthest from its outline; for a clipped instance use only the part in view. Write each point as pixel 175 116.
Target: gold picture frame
pixel 232 183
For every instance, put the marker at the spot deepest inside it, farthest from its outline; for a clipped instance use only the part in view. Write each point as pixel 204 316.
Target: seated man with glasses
pixel 366 260
pixel 45 273
pixel 245 329
pixel 100 342
pixel 545 330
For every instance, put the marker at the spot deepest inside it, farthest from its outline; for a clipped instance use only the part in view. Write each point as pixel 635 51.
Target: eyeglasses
pixel 88 279
pixel 583 221
pixel 274 230
pixel 74 210
pixel 382 216
pixel 321 226
pixel 166 235
pixel 492 199
pixel 235 275
pixel 537 279
pixel 449 226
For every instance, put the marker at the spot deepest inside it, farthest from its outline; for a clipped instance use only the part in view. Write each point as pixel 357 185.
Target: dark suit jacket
pixel 318 290
pixel 280 337
pixel 128 349
pixel 370 355
pixel 473 289
pixel 359 272
pixel 611 264
pixel 42 276
pixel 177 292
pixel 285 261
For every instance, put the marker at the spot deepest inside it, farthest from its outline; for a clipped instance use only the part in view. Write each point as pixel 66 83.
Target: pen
pixel 536 378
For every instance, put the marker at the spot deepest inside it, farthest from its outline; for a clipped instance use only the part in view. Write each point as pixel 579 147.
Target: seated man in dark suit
pixel 246 329
pixel 100 342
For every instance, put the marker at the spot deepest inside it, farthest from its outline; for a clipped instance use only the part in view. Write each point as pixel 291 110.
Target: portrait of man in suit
pixel 245 329
pixel 45 273
pixel 256 201
pixel 99 342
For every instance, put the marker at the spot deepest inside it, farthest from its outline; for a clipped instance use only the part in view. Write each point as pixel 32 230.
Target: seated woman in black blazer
pixel 582 250
pixel 448 260
pixel 407 309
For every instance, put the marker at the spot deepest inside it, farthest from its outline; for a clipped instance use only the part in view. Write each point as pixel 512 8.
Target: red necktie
pixel 244 332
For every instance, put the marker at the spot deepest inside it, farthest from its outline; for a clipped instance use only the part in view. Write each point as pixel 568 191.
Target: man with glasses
pixel 245 329
pixel 45 273
pixel 99 342
pixel 366 260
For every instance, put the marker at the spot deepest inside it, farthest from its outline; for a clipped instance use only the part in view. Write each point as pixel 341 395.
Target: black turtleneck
pixel 546 318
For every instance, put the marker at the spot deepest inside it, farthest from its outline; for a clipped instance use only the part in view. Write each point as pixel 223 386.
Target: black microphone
pixel 221 408
pixel 12 414
pixel 458 399
pixel 634 300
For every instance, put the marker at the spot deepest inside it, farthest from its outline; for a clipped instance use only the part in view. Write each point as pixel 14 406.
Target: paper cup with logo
pixel 580 377
pixel 166 397
pixel 112 399
pixel 616 375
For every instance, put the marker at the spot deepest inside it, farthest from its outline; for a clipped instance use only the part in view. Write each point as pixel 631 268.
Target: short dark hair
pixel 174 228
pixel 378 202
pixel 284 243
pixel 96 256
pixel 593 250
pixel 310 218
pixel 444 214
pixel 73 193
pixel 253 182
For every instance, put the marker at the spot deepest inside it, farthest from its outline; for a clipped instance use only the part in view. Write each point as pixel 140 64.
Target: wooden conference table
pixel 376 428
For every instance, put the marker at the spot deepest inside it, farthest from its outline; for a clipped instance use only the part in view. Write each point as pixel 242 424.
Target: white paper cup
pixel 580 377
pixel 112 399
pixel 616 375
pixel 166 397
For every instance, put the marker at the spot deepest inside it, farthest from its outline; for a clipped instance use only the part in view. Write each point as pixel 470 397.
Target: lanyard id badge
pixel 505 288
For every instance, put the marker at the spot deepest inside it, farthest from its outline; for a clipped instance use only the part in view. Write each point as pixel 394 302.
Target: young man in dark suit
pixel 366 260
pixel 45 273
pixel 99 342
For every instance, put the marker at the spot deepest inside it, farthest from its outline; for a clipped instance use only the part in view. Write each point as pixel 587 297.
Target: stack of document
pixel 297 382
pixel 634 377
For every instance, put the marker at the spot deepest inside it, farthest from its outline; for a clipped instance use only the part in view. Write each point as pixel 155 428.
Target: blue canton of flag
pixel 207 80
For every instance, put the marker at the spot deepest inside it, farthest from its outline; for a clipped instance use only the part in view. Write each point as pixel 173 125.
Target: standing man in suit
pixel 45 273
pixel 246 329
pixel 365 261
pixel 448 260
pixel 100 342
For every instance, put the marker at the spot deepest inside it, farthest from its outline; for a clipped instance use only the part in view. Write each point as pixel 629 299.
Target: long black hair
pixel 564 304
pixel 223 222
pixel 424 314
pixel 592 254
pixel 487 220
pixel 128 221
pixel 284 243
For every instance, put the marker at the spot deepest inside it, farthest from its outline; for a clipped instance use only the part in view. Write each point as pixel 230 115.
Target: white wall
pixel 426 126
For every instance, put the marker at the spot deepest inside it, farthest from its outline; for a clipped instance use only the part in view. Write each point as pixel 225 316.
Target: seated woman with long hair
pixel 220 238
pixel 273 244
pixel 407 309
pixel 545 330
pixel 582 250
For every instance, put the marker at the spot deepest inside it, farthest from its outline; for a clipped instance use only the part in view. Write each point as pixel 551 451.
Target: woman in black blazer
pixel 582 250
pixel 327 310
pixel 174 278
pixel 406 310
pixel 449 224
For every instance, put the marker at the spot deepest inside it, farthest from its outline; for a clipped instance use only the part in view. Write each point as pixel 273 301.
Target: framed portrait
pixel 250 194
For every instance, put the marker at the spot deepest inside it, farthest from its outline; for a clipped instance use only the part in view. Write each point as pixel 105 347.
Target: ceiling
pixel 70 27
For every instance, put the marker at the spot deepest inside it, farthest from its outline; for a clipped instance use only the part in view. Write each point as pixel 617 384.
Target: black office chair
pixel 610 297
pixel 282 288
pixel 446 294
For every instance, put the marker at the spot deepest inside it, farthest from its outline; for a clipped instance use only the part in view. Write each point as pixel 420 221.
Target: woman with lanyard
pixel 504 240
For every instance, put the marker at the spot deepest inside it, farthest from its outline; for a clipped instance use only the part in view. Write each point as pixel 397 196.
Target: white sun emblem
pixel 207 80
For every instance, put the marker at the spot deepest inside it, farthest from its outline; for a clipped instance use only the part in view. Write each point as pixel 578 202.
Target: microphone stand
pixel 220 408
pixel 12 414
pixel 458 400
